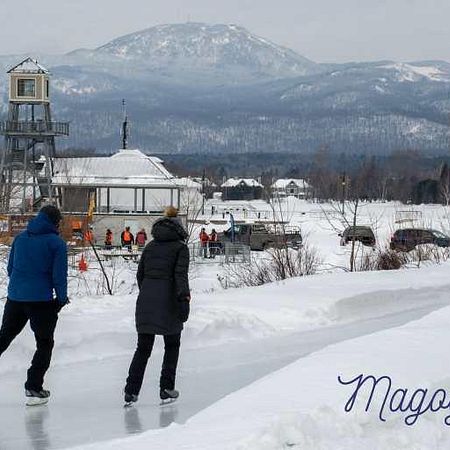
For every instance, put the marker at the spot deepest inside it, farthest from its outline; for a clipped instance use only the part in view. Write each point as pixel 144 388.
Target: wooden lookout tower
pixel 29 146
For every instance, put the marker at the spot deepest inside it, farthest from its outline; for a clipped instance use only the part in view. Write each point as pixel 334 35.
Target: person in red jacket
pixel 89 235
pixel 141 238
pixel 127 238
pixel 213 244
pixel 204 239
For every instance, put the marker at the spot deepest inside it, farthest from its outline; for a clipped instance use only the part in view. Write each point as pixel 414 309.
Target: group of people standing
pixel 209 243
pixel 127 238
pixel 37 291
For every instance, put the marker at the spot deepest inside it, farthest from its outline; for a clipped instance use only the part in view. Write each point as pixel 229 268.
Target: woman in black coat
pixel 162 305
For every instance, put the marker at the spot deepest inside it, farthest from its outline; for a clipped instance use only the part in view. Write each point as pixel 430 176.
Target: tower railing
pixel 34 127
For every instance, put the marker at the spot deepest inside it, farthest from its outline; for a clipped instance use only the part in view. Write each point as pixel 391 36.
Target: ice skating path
pixel 86 404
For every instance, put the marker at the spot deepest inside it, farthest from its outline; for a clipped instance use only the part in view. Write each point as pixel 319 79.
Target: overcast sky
pixel 323 30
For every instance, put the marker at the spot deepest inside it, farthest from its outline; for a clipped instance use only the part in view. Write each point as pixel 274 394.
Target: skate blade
pixel 36 401
pixel 128 404
pixel 168 401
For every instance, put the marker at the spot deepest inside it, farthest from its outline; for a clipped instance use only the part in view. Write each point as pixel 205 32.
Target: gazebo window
pixel 26 88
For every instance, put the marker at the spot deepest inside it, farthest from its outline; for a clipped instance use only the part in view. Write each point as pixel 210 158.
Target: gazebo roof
pixel 126 167
pixel 28 65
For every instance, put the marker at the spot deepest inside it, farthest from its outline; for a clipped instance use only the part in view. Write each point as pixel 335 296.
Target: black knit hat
pixel 53 213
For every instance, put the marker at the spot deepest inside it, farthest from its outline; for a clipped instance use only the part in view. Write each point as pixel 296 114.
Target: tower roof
pixel 28 65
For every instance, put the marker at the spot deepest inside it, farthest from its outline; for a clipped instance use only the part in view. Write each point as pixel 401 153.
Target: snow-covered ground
pixel 302 405
pixel 320 223
pixel 259 366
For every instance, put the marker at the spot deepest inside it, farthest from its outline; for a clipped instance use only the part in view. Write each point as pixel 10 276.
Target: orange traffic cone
pixel 82 265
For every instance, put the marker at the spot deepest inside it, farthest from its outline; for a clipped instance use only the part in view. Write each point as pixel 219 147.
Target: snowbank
pixel 302 405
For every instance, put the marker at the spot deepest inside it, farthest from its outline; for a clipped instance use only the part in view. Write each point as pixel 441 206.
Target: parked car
pixel 407 239
pixel 261 237
pixel 358 233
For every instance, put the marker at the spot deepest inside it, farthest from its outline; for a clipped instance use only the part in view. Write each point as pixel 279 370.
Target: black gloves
pixel 60 305
pixel 183 309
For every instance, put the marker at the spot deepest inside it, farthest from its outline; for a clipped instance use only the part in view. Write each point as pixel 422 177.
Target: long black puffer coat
pixel 163 280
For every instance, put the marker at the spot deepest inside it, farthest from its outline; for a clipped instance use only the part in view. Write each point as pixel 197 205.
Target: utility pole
pixel 343 182
pixel 124 126
pixel 232 227
pixel 203 191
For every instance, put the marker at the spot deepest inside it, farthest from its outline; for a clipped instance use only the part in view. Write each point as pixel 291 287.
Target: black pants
pixel 43 317
pixel 140 359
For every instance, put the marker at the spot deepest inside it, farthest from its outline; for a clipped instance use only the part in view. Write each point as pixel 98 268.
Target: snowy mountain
pixel 201 45
pixel 218 88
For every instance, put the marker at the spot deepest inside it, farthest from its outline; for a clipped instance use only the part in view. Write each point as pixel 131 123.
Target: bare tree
pixel 444 184
pixel 274 265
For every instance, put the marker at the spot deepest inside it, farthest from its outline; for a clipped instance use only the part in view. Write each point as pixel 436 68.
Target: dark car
pixel 407 239
pixel 358 233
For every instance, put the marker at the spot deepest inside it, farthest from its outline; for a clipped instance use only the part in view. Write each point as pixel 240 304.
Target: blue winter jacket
pixel 38 263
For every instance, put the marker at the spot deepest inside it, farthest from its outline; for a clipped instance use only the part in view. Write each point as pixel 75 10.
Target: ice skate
pixel 36 398
pixel 130 400
pixel 168 396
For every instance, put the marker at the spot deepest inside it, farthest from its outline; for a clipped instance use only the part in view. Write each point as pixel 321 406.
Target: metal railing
pixel 219 252
pixel 225 253
pixel 106 253
pixel 36 127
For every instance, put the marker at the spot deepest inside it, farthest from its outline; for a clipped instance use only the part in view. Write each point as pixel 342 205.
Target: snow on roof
pixel 206 181
pixel 189 183
pixel 129 167
pixel 28 65
pixel 233 182
pixel 282 183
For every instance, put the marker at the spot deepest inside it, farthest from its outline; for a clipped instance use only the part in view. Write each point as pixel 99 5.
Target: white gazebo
pixel 127 182
pixel 128 188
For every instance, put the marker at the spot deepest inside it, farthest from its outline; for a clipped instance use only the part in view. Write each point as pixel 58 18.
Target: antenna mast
pixel 124 126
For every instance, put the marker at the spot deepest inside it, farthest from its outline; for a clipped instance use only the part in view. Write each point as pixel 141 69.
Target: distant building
pixel 207 186
pixel 127 182
pixel 128 188
pixel 204 182
pixel 242 189
pixel 294 187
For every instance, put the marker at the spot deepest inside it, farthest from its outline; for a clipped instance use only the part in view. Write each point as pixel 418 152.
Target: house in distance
pixel 291 187
pixel 242 189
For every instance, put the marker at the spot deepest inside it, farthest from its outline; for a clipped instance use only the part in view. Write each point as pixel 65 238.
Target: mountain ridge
pixel 194 88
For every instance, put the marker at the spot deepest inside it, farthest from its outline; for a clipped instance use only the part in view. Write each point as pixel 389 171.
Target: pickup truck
pixel 262 237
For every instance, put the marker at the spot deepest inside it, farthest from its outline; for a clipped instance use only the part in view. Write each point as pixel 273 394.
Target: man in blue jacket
pixel 37 268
